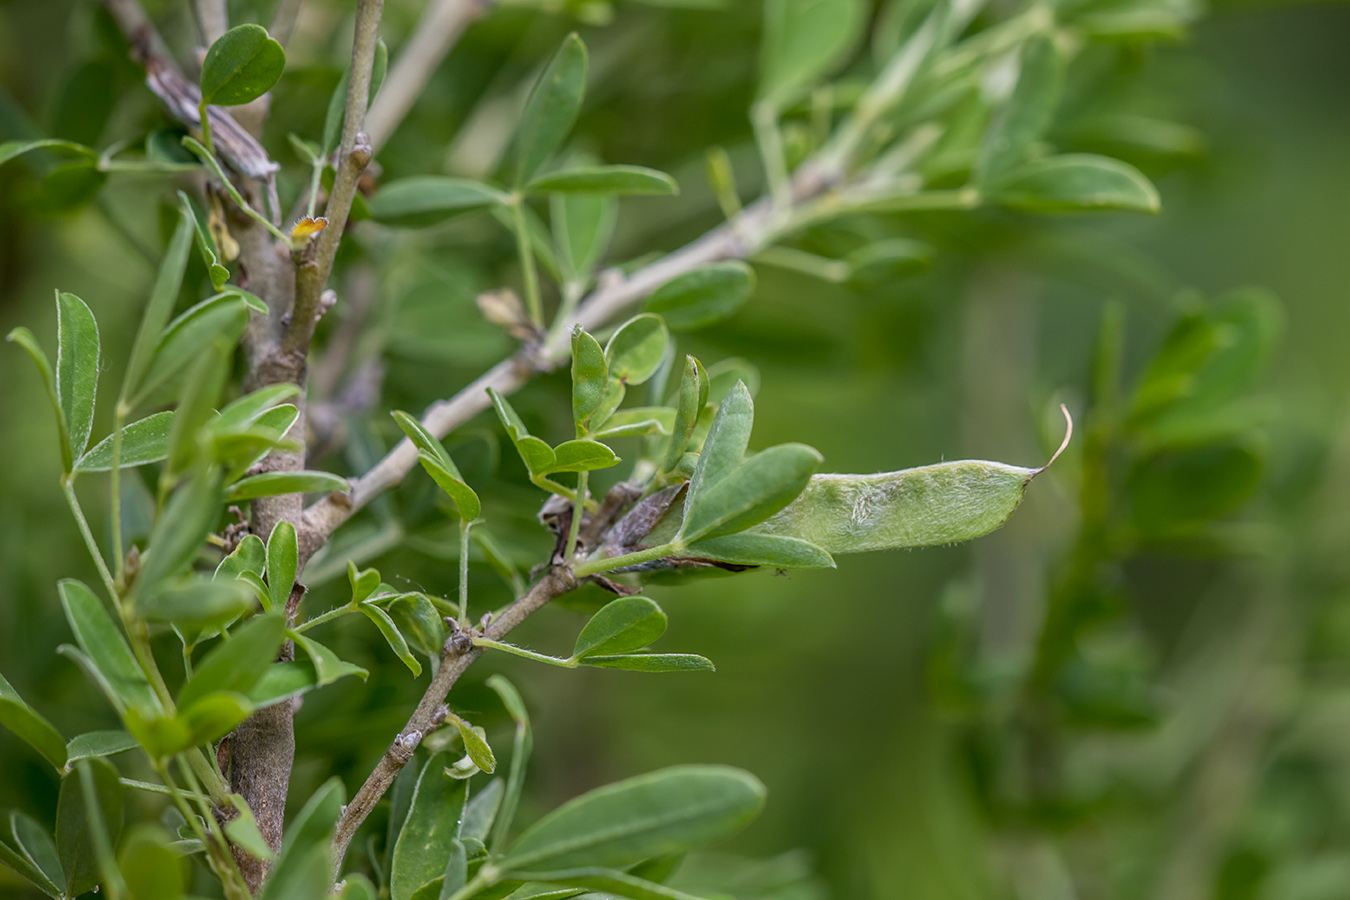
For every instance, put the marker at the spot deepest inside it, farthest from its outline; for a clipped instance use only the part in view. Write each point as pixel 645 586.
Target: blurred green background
pixel 887 704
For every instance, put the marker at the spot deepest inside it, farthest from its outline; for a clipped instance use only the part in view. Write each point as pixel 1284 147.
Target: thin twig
pixel 440 27
pixel 458 655
pixel 315 264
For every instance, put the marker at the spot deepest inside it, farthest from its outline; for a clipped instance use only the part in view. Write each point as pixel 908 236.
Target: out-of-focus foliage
pixel 1138 689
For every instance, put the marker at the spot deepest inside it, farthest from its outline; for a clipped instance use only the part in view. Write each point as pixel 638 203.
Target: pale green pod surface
pixel 921 507
pixel 939 504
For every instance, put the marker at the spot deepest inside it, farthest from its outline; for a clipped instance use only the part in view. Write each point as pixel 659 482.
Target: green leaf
pixel 522 746
pixel 218 320
pixel 590 377
pixel 442 469
pixel 614 883
pixel 157 310
pixel 24 338
pixel 630 180
pixel 364 581
pixel 197 400
pixel 327 666
pixel 537 456
pixel 1027 113
pixel 207 719
pixel 206 244
pixel 241 66
pixel 153 869
pixel 803 41
pixel 109 654
pixel 725 445
pixel 11 149
pixel 1176 491
pixel 939 504
pixel 702 297
pixel 357 887
pixel 582 227
pixel 246 411
pixel 143 441
pixel 419 622
pixel 1075 182
pixel 243 831
pixel 28 724
pixel 98 744
pixel 635 351
pixel 668 811
pixel 392 636
pixel 249 556
pixel 551 109
pixel 430 199
pixel 304 868
pixel 755 490
pixel 77 821
pixel 236 664
pixel 196 600
pixel 27 848
pixel 581 456
pixel 481 811
pixel 283 562
pixel 337 103
pixel 693 397
pixel 623 625
pixel 432 824
pixel 270 484
pixel 476 746
pixel 77 356
pixel 282 681
pixel 651 662
pixel 762 550
pixel 637 421
pixel 180 531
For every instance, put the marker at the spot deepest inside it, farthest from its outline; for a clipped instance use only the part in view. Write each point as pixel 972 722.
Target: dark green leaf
pixel 99 743
pixel 327 666
pixel 699 298
pixel 28 724
pixel 207 719
pixel 204 381
pixel 522 747
pixel 27 848
pixel 590 377
pixel 582 226
pixel 99 638
pixel 236 664
pixel 664 812
pixel 651 662
pixel 614 883
pixel 247 409
pixel 270 484
pixel 693 397
pixel 1027 114
pixel 429 199
pixel 1073 183
pixel 551 109
pixel 419 622
pixel 153 870
pixel 10 149
pixel 206 244
pixel 77 820
pixel 304 867
pixel 762 550
pixel 432 824
pixel 196 600
pixel 392 636
pixel 243 831
pixel 1176 491
pixel 438 464
pixel 635 351
pixel 160 306
pixel 143 441
pixel 283 562
pixel 631 180
pixel 249 556
pixel 241 66
pixel 537 456
pixel 803 41
pixel 363 581
pixel 581 456
pixel 24 338
pixel 77 356
pixel 623 625
pixel 282 681
pixel 481 811
pixel 753 491
pixel 180 531
pixel 725 445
